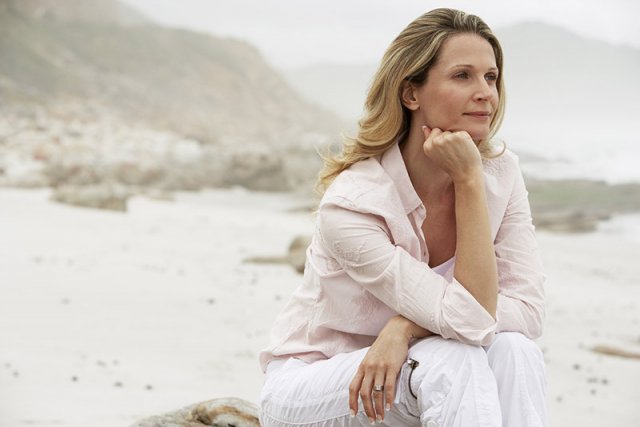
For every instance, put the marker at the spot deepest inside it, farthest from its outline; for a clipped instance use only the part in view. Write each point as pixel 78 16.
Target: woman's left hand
pixel 380 367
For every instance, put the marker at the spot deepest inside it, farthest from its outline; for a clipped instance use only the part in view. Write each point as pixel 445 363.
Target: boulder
pixel 297 255
pixel 106 196
pixel 223 412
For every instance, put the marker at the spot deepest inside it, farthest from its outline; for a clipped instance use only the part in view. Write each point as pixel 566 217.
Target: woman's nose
pixel 484 91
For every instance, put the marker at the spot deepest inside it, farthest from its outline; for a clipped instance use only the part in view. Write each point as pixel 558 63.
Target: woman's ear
pixel 409 96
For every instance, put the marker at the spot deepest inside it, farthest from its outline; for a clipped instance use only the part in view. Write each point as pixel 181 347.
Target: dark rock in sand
pixel 223 412
pixel 297 255
pixel 576 206
pixel 109 197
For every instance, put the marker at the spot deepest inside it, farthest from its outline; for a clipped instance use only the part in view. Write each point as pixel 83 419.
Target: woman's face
pixel 461 92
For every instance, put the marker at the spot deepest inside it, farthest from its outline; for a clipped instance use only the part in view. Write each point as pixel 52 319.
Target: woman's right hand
pixel 381 366
pixel 455 152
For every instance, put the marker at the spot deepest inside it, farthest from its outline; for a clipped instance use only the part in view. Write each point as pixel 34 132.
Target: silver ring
pixel 378 388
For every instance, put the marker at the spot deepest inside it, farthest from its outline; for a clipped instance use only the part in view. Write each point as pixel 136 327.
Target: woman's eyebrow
pixel 471 66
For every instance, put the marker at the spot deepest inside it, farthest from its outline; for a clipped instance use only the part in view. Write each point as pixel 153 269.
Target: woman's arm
pixel 475 264
pixel 521 276
pixel 458 156
pixel 361 245
pixel 381 366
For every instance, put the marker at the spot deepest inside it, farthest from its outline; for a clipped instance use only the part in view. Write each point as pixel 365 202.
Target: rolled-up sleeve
pixel 520 272
pixel 361 244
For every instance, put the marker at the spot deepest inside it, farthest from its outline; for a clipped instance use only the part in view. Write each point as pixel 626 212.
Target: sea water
pixel 577 149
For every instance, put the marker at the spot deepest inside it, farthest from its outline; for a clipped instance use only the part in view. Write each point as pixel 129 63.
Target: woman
pixel 423 286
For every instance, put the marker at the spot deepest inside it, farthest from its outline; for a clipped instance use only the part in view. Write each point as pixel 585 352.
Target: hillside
pixel 569 75
pixel 195 84
pixel 79 79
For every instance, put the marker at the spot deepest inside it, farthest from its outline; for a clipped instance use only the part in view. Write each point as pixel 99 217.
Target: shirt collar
pixel 393 164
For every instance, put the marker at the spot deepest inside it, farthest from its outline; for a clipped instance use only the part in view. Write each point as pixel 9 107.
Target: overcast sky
pixel 293 33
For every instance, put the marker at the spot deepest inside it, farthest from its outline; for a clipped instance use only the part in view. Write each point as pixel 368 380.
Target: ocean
pixel 607 152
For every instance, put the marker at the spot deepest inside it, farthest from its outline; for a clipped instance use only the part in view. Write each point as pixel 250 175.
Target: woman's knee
pixel 442 363
pixel 514 345
pixel 450 374
pixel 450 352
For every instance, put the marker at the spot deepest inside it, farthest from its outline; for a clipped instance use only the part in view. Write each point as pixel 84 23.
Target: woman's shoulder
pixel 363 185
pixel 502 163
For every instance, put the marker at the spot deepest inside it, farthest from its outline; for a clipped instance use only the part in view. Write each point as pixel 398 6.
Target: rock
pixel 297 255
pixel 257 168
pixel 223 412
pixel 568 222
pixel 110 197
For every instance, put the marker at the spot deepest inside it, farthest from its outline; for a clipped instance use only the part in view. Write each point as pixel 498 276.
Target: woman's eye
pixel 462 75
pixel 491 77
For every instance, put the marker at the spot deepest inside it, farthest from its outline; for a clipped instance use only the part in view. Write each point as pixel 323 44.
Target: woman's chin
pixel 478 136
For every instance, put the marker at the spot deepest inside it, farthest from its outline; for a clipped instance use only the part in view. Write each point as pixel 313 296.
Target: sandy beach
pixel 109 317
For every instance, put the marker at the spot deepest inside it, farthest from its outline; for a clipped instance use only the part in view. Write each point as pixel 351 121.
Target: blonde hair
pixel 409 58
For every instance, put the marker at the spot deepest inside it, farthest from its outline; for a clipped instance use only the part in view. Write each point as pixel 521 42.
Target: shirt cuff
pixel 463 318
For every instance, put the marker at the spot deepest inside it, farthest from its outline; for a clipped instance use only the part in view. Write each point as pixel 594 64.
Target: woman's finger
pixel 390 388
pixel 378 395
pixel 354 390
pixel 365 397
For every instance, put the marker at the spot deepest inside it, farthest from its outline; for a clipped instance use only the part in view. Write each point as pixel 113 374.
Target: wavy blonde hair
pixel 409 58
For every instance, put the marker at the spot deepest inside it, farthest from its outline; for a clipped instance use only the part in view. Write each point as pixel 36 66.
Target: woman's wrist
pixel 471 179
pixel 406 330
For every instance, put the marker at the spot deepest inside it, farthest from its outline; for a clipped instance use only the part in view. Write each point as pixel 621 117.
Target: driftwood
pixel 615 351
pixel 224 412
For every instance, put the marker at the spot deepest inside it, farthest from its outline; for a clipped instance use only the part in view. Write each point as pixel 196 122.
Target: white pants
pixel 454 384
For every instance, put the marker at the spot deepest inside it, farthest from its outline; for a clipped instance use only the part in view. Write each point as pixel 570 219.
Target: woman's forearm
pixel 400 326
pixel 475 265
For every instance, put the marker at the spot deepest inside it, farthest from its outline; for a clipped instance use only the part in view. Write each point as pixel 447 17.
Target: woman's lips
pixel 479 115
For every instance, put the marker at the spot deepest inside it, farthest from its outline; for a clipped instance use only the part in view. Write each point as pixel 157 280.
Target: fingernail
pixel 423 127
pixel 388 407
pixel 379 419
pixel 353 413
pixel 372 421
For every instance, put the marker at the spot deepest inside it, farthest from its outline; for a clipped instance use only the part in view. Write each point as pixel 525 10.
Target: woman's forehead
pixel 466 49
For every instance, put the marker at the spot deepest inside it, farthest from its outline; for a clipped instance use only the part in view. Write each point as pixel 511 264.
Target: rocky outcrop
pixel 224 412
pixel 91 93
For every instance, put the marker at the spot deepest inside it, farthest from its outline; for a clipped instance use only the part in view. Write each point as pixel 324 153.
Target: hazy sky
pixel 292 33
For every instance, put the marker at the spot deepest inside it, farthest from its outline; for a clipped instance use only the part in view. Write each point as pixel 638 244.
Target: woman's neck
pixel 431 182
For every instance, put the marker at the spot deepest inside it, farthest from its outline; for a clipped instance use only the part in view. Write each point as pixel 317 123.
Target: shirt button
pixel 432 423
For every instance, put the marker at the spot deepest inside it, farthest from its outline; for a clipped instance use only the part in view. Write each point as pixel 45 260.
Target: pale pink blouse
pixel 368 261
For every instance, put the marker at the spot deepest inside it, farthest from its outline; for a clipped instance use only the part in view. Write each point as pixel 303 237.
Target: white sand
pixel 108 317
